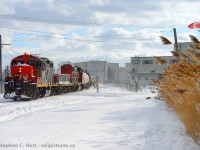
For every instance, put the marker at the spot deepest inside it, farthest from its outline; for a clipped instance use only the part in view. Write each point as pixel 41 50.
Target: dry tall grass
pixel 180 87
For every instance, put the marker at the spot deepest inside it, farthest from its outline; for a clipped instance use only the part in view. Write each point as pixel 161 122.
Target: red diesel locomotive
pixel 33 77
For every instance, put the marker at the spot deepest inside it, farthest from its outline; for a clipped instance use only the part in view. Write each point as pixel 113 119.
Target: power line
pixel 94 36
pixel 87 40
pixel 6 50
pixel 63 22
pixel 76 23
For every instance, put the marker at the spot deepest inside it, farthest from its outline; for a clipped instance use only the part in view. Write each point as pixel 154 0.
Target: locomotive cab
pixel 67 69
pixel 22 82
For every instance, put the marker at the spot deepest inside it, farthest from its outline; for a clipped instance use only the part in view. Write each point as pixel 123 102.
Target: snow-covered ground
pixel 113 119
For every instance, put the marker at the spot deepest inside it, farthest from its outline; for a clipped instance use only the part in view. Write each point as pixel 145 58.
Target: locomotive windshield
pixel 14 62
pixel 31 61
pixel 21 60
pixel 38 63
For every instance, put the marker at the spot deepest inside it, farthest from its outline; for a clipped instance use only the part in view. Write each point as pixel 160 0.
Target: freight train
pixel 33 77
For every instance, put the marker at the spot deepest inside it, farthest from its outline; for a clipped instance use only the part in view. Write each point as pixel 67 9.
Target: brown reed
pixel 165 41
pixel 180 87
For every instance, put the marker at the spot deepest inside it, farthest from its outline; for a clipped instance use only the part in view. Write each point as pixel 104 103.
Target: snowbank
pixel 111 119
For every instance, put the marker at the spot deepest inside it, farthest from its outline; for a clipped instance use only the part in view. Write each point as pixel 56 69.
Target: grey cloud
pixel 124 17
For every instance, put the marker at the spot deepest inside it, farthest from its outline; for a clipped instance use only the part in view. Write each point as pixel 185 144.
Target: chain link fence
pixel 136 87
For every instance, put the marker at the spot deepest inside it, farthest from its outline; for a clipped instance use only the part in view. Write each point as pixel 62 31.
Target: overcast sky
pixel 83 30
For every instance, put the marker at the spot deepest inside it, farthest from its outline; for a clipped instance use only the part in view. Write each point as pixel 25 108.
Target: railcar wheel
pixel 81 87
pixel 15 99
pixel 34 96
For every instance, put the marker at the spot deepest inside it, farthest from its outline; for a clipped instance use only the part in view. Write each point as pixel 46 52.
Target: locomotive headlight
pixel 20 70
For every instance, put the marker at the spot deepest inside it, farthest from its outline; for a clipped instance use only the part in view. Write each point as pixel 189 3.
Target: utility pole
pixel 1 81
pixel 175 40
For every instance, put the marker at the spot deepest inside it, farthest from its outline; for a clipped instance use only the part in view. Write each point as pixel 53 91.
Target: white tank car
pixel 85 78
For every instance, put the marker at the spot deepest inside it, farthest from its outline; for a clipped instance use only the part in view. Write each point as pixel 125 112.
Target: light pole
pixel 137 82
pixel 175 40
pixel 1 80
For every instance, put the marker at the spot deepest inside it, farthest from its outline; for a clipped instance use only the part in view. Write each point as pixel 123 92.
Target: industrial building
pixel 139 72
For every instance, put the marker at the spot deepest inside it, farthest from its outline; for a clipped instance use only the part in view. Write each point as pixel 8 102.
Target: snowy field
pixel 113 119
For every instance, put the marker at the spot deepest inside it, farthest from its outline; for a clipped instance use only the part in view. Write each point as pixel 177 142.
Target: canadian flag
pixel 194 25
